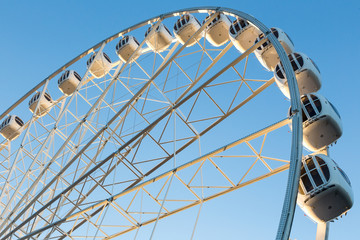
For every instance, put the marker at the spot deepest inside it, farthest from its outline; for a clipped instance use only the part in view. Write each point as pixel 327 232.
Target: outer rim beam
pixel 248 17
pixel 296 149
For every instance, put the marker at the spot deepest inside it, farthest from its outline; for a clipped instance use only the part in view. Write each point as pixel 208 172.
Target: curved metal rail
pixel 296 147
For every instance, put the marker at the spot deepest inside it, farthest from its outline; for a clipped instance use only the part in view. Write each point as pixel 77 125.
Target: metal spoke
pixel 75 166
pixel 177 172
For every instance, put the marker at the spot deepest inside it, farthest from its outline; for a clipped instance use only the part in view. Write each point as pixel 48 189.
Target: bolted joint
pixel 295 111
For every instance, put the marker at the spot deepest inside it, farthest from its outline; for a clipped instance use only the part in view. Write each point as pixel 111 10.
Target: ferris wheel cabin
pixel 126 47
pixel 325 191
pixel 11 127
pixel 217 32
pixel 45 103
pixel 185 27
pixel 69 81
pixel 243 34
pixel 321 122
pixel 266 53
pixel 99 64
pixel 160 39
pixel 306 72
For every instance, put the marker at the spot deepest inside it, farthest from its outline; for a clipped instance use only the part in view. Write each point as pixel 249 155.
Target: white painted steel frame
pixel 296 151
pixel 260 89
pixel 117 114
pixel 70 136
pixel 218 153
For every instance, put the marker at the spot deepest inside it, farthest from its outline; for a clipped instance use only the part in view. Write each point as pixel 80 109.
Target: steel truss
pixel 113 133
pixel 186 176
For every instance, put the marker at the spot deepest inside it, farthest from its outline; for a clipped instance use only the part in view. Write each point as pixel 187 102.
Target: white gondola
pixel 160 39
pixel 266 53
pixel 126 47
pixel 11 127
pixel 68 81
pixel 325 191
pixel 306 72
pixel 44 106
pixel 243 34
pixel 99 65
pixel 217 32
pixel 321 122
pixel 185 27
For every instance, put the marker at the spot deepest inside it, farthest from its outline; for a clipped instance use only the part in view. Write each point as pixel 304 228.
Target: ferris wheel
pixel 161 118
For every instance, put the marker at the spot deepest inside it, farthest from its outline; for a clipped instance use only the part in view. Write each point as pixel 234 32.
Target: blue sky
pixel 39 37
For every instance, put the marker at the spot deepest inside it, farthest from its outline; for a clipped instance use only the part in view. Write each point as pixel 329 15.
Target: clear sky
pixel 37 37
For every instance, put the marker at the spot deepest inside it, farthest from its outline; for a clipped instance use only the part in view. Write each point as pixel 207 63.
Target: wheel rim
pixel 77 135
